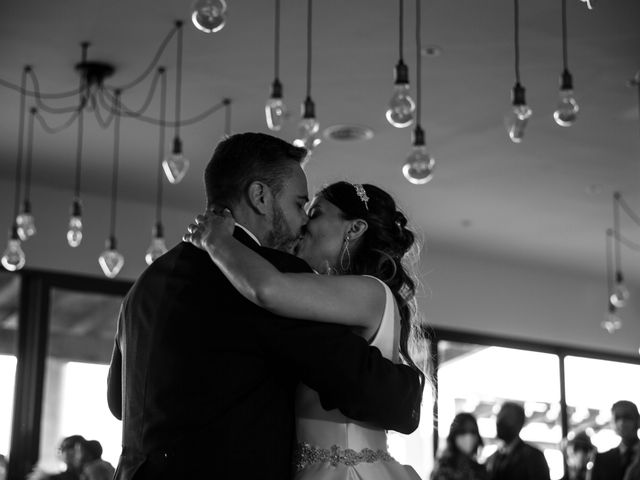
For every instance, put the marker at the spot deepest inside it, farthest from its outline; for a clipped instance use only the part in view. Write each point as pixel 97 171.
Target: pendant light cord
pixel 27 175
pixel 309 23
pixel 178 78
pixel 227 116
pixel 418 64
pixel 83 100
pixel 116 160
pixel 161 142
pixel 23 81
pixel 564 35
pixel 616 229
pixel 76 192
pixel 516 23
pixel 609 240
pixel 276 46
pixel 401 27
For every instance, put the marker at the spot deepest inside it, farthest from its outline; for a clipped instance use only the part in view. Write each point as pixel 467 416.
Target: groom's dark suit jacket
pixel 204 380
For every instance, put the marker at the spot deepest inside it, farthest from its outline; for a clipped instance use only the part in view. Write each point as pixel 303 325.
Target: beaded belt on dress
pixel 306 455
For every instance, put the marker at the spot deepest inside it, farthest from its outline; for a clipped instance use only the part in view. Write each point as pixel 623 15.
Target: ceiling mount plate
pixel 94 73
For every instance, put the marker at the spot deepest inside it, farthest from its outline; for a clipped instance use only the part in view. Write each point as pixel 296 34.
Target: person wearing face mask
pixel 458 459
pixel 623 461
pixel 580 453
pixel 515 460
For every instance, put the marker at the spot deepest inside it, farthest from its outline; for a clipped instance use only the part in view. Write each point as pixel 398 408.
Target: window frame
pixel 439 334
pixel 36 288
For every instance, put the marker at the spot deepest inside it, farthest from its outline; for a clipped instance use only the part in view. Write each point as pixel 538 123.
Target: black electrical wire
pixel 27 174
pixel 227 116
pixel 43 106
pixel 18 182
pixel 161 144
pixel 178 79
pixel 100 102
pixel 401 27
pixel 116 160
pixel 564 35
pixel 147 100
pixel 627 209
pixel 53 130
pixel 31 93
pixel 609 241
pixel 79 153
pixel 154 62
pixel 309 32
pixel 154 121
pixel 516 30
pixel 418 63
pixel 627 243
pixel 616 229
pixel 276 47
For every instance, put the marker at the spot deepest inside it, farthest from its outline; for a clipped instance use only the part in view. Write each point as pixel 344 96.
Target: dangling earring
pixel 345 253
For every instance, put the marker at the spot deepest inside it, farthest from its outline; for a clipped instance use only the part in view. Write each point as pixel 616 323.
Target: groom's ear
pixel 357 228
pixel 260 197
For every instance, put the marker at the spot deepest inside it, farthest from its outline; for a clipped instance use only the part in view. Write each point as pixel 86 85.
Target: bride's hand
pixel 210 229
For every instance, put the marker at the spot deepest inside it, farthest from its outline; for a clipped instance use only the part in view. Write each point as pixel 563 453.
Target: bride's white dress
pixel 333 447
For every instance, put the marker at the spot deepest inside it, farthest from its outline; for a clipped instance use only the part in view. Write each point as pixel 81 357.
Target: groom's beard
pixel 281 237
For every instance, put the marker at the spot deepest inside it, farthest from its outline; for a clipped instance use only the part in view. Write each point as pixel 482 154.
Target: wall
pixel 463 290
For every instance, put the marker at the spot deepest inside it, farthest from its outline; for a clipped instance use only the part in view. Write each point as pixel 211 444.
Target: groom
pixel 204 380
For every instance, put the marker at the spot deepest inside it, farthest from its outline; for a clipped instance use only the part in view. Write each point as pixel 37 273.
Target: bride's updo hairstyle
pixel 382 251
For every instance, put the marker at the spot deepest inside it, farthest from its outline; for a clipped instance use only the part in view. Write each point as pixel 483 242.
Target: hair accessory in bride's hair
pixel 362 194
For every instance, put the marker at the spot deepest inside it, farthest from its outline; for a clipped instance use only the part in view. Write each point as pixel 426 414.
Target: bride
pixel 356 234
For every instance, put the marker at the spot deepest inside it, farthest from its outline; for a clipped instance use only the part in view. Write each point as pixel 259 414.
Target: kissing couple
pixel 235 359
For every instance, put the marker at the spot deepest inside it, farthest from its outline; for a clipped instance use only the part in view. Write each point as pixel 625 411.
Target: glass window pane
pixel 478 379
pixel 81 331
pixel 9 313
pixel 592 386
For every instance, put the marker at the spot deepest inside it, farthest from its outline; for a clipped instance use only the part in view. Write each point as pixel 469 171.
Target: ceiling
pixel 546 200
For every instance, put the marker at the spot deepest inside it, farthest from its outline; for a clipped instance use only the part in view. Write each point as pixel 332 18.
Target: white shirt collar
pixel 246 230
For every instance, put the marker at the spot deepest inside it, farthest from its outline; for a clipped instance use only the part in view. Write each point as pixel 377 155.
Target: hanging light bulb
pixel 612 321
pixel 74 233
pixel 25 222
pixel 175 165
pixel 111 261
pixel 158 246
pixel 275 109
pixel 25 219
pixel 308 128
pixel 620 294
pixel 13 258
pixel 519 116
pixel 418 168
pixel 401 106
pixel 589 3
pixel 208 16
pixel 567 109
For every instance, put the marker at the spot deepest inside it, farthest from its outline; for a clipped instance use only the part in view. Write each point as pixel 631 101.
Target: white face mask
pixel 467 443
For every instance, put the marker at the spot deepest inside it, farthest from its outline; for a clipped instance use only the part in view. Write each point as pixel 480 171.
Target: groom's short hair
pixel 244 158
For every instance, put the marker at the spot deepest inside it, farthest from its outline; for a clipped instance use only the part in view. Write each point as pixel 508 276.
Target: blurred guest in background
pixel 67 452
pixel 3 467
pixel 623 461
pixel 89 462
pixel 580 454
pixel 458 459
pixel 515 460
